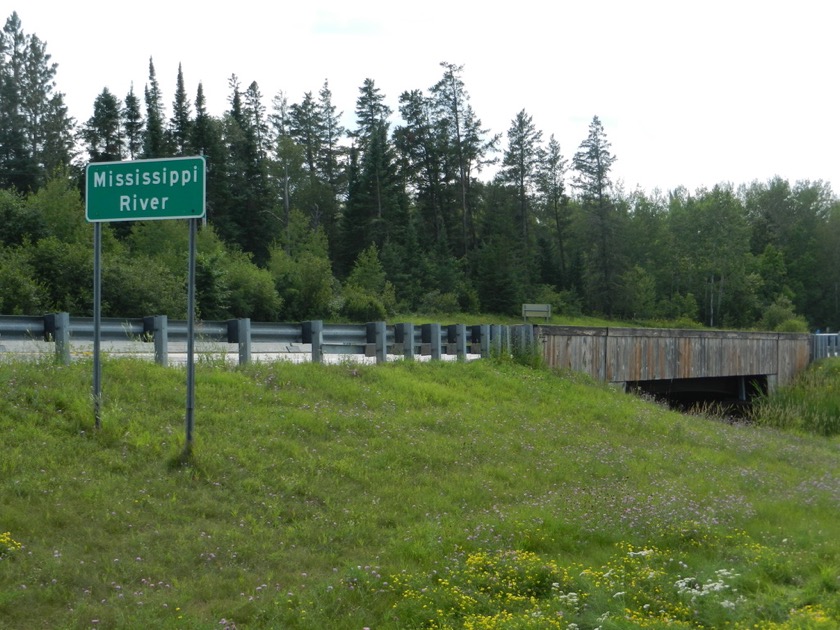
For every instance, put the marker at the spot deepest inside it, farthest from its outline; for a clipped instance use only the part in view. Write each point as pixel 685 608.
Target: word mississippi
pixel 132 197
pixel 165 176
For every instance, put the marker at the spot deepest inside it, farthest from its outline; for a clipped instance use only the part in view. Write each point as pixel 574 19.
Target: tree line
pixel 400 213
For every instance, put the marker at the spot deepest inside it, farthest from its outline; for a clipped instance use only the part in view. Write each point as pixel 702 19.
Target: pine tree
pixel 499 266
pixel 48 127
pixel 256 120
pixel 154 144
pixel 331 153
pixel 206 140
pixel 304 130
pixel 421 145
pixel 102 131
pixel 592 164
pixel 314 128
pixel 520 165
pixel 372 137
pixel 467 148
pixel 202 138
pixel 554 202
pixel 17 169
pixel 180 124
pixel 246 217
pixel 36 133
pixel 376 205
pixel 58 149
pixel 284 152
pixel 371 112
pixel 132 125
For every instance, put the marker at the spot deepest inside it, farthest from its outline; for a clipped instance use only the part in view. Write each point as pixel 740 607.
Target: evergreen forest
pixel 419 210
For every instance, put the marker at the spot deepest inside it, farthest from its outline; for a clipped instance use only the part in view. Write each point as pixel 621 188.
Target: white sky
pixel 690 93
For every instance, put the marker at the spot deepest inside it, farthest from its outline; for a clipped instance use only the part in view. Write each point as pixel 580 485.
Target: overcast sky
pixel 690 93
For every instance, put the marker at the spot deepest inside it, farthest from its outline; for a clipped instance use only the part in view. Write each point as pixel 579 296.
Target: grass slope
pixel 481 495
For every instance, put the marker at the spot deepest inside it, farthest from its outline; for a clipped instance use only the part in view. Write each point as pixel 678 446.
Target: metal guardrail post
pixel 239 332
pixel 431 335
pixel 484 340
pixel 517 338
pixel 158 327
pixel 458 336
pixel 57 329
pixel 313 333
pixel 496 339
pixel 404 334
pixel 377 334
pixel 522 338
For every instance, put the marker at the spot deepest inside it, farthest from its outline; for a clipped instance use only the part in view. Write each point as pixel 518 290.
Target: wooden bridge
pixel 635 355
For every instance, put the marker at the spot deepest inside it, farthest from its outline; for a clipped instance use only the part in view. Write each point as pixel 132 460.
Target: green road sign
pixel 143 190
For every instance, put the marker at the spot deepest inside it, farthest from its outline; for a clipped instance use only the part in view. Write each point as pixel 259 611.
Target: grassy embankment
pixel 481 495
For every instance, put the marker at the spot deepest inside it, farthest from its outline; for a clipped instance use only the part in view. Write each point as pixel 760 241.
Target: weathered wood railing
pixel 624 355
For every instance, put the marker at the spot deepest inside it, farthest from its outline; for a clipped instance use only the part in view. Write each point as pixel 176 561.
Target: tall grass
pixel 811 404
pixel 410 495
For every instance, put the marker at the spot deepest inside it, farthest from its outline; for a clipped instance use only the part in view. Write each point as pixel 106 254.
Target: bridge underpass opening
pixel 729 394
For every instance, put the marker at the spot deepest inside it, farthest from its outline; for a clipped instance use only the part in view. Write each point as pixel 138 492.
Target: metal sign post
pixel 97 323
pixel 190 342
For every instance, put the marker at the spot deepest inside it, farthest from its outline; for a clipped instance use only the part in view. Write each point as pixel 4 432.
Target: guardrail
pixel 312 340
pixel 825 345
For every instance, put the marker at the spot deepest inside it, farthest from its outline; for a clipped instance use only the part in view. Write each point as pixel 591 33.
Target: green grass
pixel 586 321
pixel 409 495
pixel 556 320
pixel 810 404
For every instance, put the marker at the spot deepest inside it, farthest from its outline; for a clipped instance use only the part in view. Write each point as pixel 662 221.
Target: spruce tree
pixel 256 119
pixel 372 137
pixel 592 164
pixel 202 133
pixel 554 203
pixel 180 124
pixel 102 131
pixel 315 129
pixel 421 146
pixel 154 143
pixel 36 133
pixel 284 151
pixel 206 140
pixel 376 205
pixel 304 130
pixel 467 147
pixel 246 217
pixel 58 149
pixel 47 126
pixel 520 165
pixel 331 153
pixel 17 169
pixel 132 125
